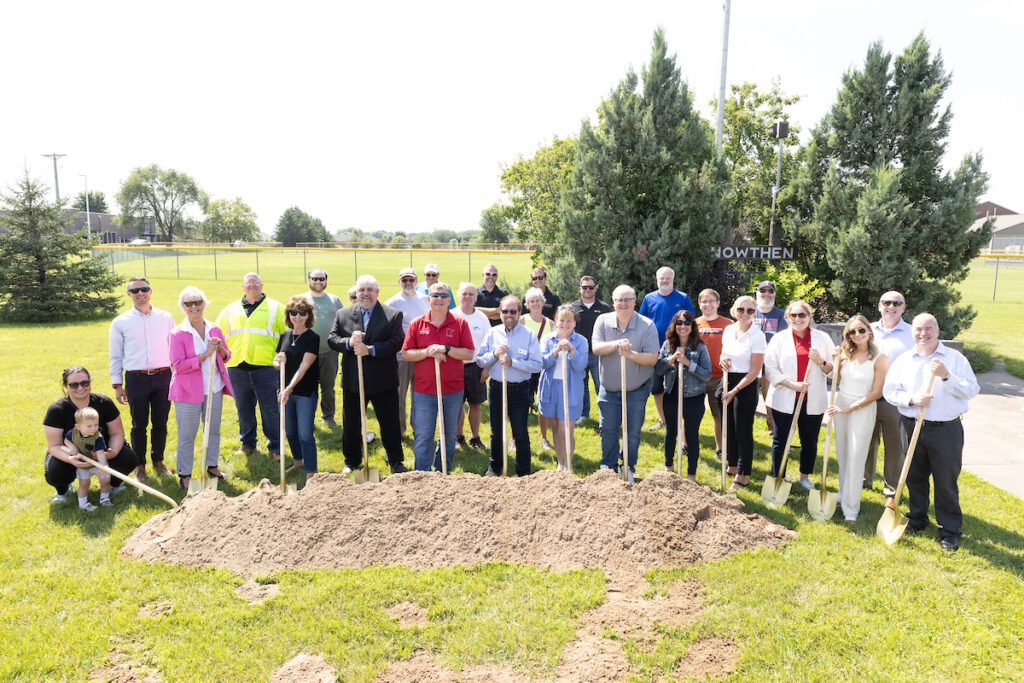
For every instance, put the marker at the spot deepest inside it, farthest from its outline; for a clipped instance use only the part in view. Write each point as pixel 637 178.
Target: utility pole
pixel 721 85
pixel 778 130
pixel 88 218
pixel 56 181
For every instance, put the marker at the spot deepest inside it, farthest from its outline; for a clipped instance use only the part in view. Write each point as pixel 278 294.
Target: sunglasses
pixel 683 323
pixel 509 311
pixel 136 290
pixel 798 315
pixel 407 280
pixel 431 274
pixel 490 275
pixel 892 303
pixel 748 311
pixel 588 287
pixel 766 290
pixel 84 384
pixel 192 304
pixel 539 277
pixel 859 331
pixel 439 295
pixel 299 313
pixel 318 279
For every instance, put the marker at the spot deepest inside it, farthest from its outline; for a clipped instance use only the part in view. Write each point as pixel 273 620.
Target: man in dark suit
pixel 373 331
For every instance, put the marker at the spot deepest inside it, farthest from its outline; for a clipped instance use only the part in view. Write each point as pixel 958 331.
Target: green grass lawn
pixel 834 604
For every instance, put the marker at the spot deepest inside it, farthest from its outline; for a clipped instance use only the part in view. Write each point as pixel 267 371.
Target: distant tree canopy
pixel 534 187
pixel 229 220
pixel 46 273
pixel 165 195
pixel 295 225
pixel 97 202
pixel 871 208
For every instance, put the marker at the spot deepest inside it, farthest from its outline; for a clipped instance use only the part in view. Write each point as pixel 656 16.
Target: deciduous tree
pixel 229 220
pixel 165 195
pixel 97 202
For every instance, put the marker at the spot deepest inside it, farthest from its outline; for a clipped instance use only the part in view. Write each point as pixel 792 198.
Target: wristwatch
pixel 447 348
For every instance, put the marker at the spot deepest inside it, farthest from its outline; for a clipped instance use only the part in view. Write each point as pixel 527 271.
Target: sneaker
pixel 398 468
pixel 121 488
pixel 605 467
pixel 160 468
pixel 61 498
pixel 475 442
pixel 245 450
pixel 806 483
pixel 490 473
pixel 579 422
pixel 330 423
pixel 544 445
pixel 888 491
pixel 370 436
pixel 630 475
pixel 658 426
pixel 346 470
pixel 106 502
pixel 460 442
pixel 88 507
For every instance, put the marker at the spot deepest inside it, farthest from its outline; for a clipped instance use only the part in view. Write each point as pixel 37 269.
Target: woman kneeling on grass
pixel 551 401
pixel 61 464
pixel 683 346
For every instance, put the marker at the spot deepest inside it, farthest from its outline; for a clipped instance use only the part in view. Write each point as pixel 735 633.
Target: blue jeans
pixel 610 405
pixel 426 449
pixel 298 426
pixel 257 385
pixel 593 363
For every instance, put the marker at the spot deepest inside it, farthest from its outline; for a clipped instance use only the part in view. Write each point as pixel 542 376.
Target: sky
pixel 401 115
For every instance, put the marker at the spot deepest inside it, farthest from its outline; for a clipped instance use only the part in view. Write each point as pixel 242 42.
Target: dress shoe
pixel 330 423
pixel 949 544
pixel 915 528
pixel 398 468
pixel 461 442
pixel 490 473
pixel 246 450
pixel 161 468
pixel 216 473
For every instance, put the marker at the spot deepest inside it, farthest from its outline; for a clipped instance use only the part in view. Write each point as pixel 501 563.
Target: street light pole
pixel 56 180
pixel 778 130
pixel 721 85
pixel 88 218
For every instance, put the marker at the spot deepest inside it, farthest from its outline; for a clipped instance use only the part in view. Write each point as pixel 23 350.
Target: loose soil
pixel 408 614
pixel 256 593
pixel 127 662
pixel 550 520
pixel 304 668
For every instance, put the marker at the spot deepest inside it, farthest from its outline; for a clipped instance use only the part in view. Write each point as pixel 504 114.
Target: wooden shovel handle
pixel 362 416
pixel 440 416
pixel 281 436
pixel 129 480
pixel 912 446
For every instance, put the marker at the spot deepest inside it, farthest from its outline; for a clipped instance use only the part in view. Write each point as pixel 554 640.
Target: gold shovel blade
pixel 775 491
pixel 362 478
pixel 891 526
pixel 821 505
pixel 195 486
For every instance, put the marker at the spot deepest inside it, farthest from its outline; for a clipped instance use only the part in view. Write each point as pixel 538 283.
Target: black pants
pixel 808 426
pixel 740 431
pixel 939 455
pixel 518 413
pixel 385 405
pixel 148 403
pixel 693 413
pixel 60 474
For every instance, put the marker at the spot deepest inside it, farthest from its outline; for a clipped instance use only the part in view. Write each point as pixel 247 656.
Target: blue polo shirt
pixel 660 309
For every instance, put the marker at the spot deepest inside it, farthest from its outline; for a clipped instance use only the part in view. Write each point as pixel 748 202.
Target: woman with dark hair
pixel 298 350
pixel 861 376
pixel 683 346
pixel 60 417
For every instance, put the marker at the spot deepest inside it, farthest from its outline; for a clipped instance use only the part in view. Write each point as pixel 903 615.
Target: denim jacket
pixel 695 377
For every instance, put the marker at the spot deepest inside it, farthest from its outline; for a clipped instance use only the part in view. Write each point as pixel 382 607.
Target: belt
pixel 933 423
pixel 511 384
pixel 155 371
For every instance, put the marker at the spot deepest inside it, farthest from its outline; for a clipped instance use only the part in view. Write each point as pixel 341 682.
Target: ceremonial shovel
pixel 776 489
pixel 440 416
pixel 892 524
pixel 205 483
pixel 821 505
pixel 725 427
pixel 366 474
pixel 504 423
pixel 625 419
pixel 129 480
pixel 680 438
pixel 565 411
pixel 285 486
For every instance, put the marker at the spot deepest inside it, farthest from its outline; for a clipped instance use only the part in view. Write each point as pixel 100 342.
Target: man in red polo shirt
pixel 442 336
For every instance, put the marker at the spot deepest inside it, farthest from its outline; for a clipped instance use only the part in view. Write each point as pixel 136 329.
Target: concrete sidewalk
pixel 994 431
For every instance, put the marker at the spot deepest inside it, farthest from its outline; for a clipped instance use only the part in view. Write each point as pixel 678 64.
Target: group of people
pixel 483 344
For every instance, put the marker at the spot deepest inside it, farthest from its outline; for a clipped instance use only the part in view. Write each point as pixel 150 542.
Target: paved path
pixel 994 431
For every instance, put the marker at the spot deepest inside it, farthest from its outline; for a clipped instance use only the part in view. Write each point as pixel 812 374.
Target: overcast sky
pixel 400 115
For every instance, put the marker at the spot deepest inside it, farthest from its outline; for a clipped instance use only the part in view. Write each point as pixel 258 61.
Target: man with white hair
pixel 660 305
pixel 474 377
pixel 893 337
pixel 412 304
pixel 372 331
pixel 431 275
pixel 624 336
pixel 939 451
pixel 251 328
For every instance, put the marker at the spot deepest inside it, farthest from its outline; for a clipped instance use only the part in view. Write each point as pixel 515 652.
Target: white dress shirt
pixel 908 377
pixel 139 342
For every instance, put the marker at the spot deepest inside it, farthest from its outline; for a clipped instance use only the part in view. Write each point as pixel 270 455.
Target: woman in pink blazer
pixel 196 344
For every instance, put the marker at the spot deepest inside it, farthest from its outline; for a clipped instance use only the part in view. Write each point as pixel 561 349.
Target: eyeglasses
pixel 766 290
pixel 859 331
pixel 318 279
pixel 192 304
pixel 299 313
pixel 431 274
pixel 892 303
pixel 588 287
pixel 136 290
pixel 84 384
pixel 407 280
pixel 683 323
pixel 797 315
pixel 490 275
pixel 748 311
pixel 439 295
pixel 626 299
pixel 509 311
pixel 352 298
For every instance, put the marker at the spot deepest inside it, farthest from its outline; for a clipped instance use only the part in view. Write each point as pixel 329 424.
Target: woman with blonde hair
pixel 743 348
pixel 564 339
pixel 861 376
pixel 797 361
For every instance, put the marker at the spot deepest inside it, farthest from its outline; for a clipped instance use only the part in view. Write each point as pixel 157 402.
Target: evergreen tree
pixel 47 274
pixel 871 209
pixel 646 190
pixel 97 202
pixel 295 226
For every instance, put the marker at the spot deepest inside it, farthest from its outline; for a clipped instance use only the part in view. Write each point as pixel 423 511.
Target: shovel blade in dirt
pixel 775 490
pixel 367 475
pixel 891 526
pixel 198 485
pixel 821 505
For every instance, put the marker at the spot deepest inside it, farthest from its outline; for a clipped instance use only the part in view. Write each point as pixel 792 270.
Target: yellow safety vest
pixel 252 339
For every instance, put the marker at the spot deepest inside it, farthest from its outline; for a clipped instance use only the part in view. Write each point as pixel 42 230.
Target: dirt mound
pixel 550 520
pixel 408 614
pixel 256 593
pixel 304 668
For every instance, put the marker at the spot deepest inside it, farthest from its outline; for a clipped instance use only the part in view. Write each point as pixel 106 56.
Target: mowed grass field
pixel 999 327
pixel 834 604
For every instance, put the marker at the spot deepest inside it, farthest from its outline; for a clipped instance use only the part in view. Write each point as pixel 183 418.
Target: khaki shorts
pixel 714 402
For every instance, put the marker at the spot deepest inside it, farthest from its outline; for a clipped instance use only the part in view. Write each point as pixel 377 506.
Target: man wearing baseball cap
pixel 412 304
pixel 431 272
pixel 771 319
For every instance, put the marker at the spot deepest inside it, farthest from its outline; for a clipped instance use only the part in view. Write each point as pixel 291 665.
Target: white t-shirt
pixel 738 346
pixel 479 326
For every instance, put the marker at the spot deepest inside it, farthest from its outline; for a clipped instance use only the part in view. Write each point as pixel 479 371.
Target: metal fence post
pixel 469 277
pixel 257 260
pixel 215 265
pixel 112 269
pixel 177 262
pixel 355 264
pixel 305 268
pixel 144 273
pixel 996 280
